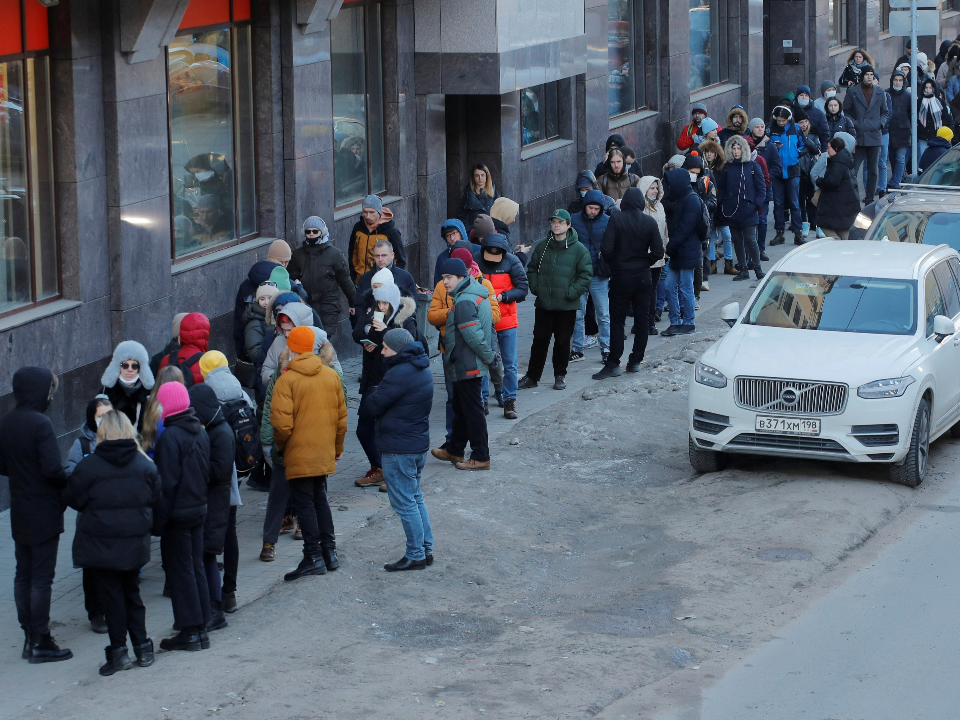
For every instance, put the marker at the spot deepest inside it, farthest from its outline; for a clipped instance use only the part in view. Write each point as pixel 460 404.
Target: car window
pixel 836 303
pixel 934 300
pixel 955 266
pixel 929 228
pixel 945 171
pixel 948 288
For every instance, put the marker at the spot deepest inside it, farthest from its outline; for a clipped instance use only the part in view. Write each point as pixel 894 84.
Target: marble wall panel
pixel 595 29
pixel 405 33
pixel 427 20
pixel 78 118
pixel 75 29
pixel 308 184
pixel 597 111
pixel 123 80
pixel 473 28
pixel 82 214
pixel 140 249
pixel 148 324
pixel 307 115
pixel 137 149
pixel 509 173
pixel 297 48
pixel 407 127
pixel 573 56
pixel 546 172
pixel 431 213
pixel 470 73
pixel 270 187
pixel 267 83
pixel 427 68
pixel 431 134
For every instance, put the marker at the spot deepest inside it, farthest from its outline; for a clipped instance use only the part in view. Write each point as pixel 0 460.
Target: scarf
pixel 930 109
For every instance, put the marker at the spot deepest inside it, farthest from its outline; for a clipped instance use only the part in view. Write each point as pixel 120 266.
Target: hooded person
pixel 899 138
pixel 737 120
pixel 128 380
pixel 258 274
pixel 217 374
pixel 324 273
pixel 376 224
pixel 852 74
pixel 590 224
pixel 740 191
pixel 950 73
pixel 614 141
pixel 686 231
pixel 255 320
pixel 942 56
pixel 838 205
pixel 173 344
pixel 652 189
pixel 691 134
pixel 816 117
pixel 454 235
pixel 294 314
pixel 828 89
pixel 194 342
pixel 585 181
pixel 615 182
pixel 504 213
pixel 936 149
pixel 30 458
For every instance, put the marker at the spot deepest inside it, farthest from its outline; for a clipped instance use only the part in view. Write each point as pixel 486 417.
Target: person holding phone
pixel 787 137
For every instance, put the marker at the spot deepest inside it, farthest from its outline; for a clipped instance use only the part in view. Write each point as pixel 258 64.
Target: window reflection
pixel 707 52
pixel 620 56
pixel 539 113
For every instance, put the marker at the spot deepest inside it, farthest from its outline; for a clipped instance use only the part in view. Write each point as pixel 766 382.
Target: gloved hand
pixel 267 455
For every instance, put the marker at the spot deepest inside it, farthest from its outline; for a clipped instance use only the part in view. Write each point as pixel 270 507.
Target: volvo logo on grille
pixel 789 396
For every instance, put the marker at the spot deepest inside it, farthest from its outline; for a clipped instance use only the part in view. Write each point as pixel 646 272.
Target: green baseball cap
pixel 561 215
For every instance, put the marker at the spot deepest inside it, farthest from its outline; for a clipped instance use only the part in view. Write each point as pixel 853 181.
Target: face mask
pixel 583 193
pixel 203 175
pixel 928 94
pixel 652 199
pixel 803 103
pixel 130 383
pixel 97 421
pixel 693 177
pixel 831 93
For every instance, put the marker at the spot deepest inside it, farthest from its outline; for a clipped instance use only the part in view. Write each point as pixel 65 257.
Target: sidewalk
pixel 30 686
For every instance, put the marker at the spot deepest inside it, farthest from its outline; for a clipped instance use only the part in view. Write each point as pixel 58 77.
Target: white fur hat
pixel 128 350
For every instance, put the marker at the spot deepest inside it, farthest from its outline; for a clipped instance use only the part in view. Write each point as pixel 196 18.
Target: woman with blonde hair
pixel 478 195
pixel 116 491
pixel 152 424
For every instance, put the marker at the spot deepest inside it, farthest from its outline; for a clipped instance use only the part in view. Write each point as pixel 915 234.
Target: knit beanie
pixel 826 85
pixel 383 276
pixel 173 398
pixel 301 339
pixel 315 223
pixel 210 360
pixel 693 160
pixel 801 89
pixel 266 291
pixel 482 227
pixel 869 68
pixel 374 202
pixel 397 339
pixel 708 125
pixel 389 294
pixel 279 252
pixel 799 115
pixel 753 123
pixel 453 266
pixel 467 257
pixel 677 161
pixel 176 324
pixel 946 133
pixel 281 277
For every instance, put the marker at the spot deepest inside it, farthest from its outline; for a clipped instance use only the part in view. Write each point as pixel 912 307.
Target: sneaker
pixel 374 476
pixel 269 553
pixel 441 453
pixel 229 602
pixel 705 286
pixel 686 329
pixel 763 255
pixel 526 382
pixel 609 371
pixel 742 275
pixel 604 354
pixel 653 330
pixel 383 486
pixel 590 341
pixel 510 409
pixel 759 273
pixel 670 331
pixel 576 356
pixel 696 304
pixel 805 228
pixel 558 383
pixel 820 234
pixel 297 535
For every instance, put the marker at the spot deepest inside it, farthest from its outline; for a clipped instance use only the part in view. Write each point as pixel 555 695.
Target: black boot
pixel 633 367
pixel 144 653
pixel 779 239
pixel 742 275
pixel 26 645
pixel 510 409
pixel 330 558
pixel 229 602
pixel 204 638
pixel 429 559
pixel 117 660
pixel 758 272
pixel 405 563
pixel 608 371
pixel 218 620
pixel 186 639
pixel 43 649
pixel 99 625
pixel 307 566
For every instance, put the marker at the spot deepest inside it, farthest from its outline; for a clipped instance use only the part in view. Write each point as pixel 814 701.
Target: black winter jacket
pixel 116 491
pixel 260 272
pixel 222 454
pixel 402 279
pixel 840 123
pixel 183 459
pixel 631 241
pixel 838 205
pixel 818 122
pixel 590 230
pixel 683 220
pixel 768 151
pixel 741 189
pixel 899 123
pixel 323 271
pixel 30 457
pixel 473 204
pixel 402 401
pixel 130 401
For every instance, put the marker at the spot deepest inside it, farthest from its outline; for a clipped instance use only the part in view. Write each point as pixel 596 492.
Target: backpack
pixel 246 434
pixel 704 224
pixel 85 447
pixel 184 365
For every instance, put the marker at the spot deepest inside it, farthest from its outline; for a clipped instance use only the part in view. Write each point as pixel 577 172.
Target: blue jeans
pixel 507 339
pixel 881 165
pixel 724 234
pixel 900 156
pixel 679 286
pixel 662 285
pixel 786 197
pixel 600 292
pixel 402 475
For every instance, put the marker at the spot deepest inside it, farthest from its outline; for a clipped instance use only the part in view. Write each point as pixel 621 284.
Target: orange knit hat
pixel 301 339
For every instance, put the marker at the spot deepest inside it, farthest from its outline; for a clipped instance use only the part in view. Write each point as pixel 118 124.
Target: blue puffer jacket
pixel 791 140
pixel 590 230
pixel 683 217
pixel 402 402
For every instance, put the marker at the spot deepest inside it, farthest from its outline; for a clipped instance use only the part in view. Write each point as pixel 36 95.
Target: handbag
pixel 816 197
pixel 245 372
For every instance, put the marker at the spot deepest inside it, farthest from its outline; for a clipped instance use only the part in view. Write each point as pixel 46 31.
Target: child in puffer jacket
pixel 255 319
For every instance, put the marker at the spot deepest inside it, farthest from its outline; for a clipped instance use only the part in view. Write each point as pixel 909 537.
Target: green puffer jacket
pixel 468 335
pixel 560 272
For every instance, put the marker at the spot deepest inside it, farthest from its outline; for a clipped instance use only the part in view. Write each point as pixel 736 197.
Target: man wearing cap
pixel 787 136
pixel 375 225
pixel 691 134
pixel 468 353
pixel 401 405
pixel 559 272
pixel 309 419
pixel 323 271
pixel 866 105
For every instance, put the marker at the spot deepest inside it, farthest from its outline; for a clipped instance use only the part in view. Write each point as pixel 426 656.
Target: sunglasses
pixel 268 282
pixel 130 365
pixel 312 231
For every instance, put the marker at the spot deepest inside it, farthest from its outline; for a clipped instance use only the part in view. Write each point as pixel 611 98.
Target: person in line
pixel 293 315
pixel 127 380
pixel 652 190
pixel 815 116
pixel 30 458
pixel 614 141
pixel 478 195
pixel 950 71
pixel 183 460
pixel 255 320
pixel 765 149
pixel 836 120
pixel 474 271
pixel 866 105
pixel 467 357
pixel 194 342
pixel 309 418
pixel 691 134
pixel 401 405
pixel 375 225
pixel 258 274
pixel 173 344
pixel 787 136
pixel 701 182
pixel 932 115
pixel 899 127
pixel 558 273
pixel 712 160
pixel 590 224
pixel 936 149
pixel 508 279
pixel 322 269
pixel 384 259
pixel 630 244
pixel 454 235
pixel 504 213
pixel 736 124
pixel 809 154
pixel 152 423
pixel 838 206
pixel 585 181
pixel 618 178
pixel 686 228
pixel 853 72
pixel 764 210
pixel 741 189
pixel 116 491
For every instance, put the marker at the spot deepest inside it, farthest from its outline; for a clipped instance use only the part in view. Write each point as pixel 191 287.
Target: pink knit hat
pixel 173 398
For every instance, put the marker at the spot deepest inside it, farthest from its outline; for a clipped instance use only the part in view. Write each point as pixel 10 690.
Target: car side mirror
pixel 730 313
pixel 943 327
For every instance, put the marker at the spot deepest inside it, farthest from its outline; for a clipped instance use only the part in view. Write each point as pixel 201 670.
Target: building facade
pixel 150 150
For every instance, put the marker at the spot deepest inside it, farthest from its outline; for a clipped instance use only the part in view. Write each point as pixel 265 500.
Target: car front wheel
pixel 704 461
pixel 914 466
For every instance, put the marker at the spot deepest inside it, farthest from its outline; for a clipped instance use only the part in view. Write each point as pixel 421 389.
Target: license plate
pixel 787 426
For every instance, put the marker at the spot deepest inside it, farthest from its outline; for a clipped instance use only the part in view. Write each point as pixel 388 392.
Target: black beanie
pixel 693 160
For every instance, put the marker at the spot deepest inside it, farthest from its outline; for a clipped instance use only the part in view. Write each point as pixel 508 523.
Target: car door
pixel 942 297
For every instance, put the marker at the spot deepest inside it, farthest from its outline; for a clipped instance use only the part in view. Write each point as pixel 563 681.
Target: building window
pixel 838 22
pixel 884 15
pixel 539 109
pixel 708 43
pixel 29 255
pixel 212 155
pixel 624 55
pixel 357 102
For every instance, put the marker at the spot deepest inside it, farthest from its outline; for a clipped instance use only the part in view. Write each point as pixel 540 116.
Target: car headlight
pixel 894 387
pixel 709 376
pixel 862 222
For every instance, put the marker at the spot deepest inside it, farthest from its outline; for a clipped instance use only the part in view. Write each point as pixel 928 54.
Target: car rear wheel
pixel 704 461
pixel 914 466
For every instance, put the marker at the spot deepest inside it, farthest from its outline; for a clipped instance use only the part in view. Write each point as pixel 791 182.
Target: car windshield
pixel 945 171
pixel 837 303
pixel 923 226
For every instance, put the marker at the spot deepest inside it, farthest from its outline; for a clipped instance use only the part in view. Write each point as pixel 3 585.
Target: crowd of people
pixel 168 440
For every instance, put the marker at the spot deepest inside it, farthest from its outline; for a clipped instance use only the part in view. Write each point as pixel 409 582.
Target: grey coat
pixel 869 119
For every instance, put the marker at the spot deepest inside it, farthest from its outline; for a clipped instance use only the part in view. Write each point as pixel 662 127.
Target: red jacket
pixel 194 338
pixel 686 137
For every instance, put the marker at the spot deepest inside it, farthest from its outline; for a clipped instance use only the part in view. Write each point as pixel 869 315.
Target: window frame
pixel 839 11
pixel 637 53
pixel 884 16
pixel 719 47
pixel 22 57
pixel 546 121
pixel 239 239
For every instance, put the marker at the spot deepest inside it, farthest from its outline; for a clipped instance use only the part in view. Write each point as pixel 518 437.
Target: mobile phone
pixel 368 342
pixel 377 315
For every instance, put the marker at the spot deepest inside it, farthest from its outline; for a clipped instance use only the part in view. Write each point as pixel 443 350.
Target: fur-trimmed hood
pixel 743 116
pixel 408 307
pixel 745 150
pixel 716 165
pixel 128 350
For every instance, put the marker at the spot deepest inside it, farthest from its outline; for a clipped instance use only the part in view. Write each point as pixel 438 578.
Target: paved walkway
pixel 352 508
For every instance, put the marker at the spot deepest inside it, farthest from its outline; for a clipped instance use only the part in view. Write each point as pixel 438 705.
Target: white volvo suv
pixel 846 351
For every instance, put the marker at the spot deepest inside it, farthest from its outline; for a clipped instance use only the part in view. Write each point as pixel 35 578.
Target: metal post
pixel 913 84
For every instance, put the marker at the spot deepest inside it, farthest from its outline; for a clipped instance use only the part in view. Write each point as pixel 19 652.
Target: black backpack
pixel 246 434
pixel 184 365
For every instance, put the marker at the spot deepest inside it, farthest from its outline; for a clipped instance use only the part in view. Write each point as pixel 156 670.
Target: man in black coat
pixel 866 105
pixel 383 257
pixel 30 457
pixel 631 244
pixel 324 272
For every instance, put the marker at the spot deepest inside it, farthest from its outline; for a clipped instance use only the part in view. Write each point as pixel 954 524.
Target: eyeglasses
pixel 268 282
pixel 130 365
pixel 311 231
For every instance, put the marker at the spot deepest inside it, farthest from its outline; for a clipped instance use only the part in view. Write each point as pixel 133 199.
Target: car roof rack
pixel 917 187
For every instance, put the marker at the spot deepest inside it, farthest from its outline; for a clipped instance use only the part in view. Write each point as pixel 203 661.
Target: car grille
pixel 788 442
pixel 812 398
